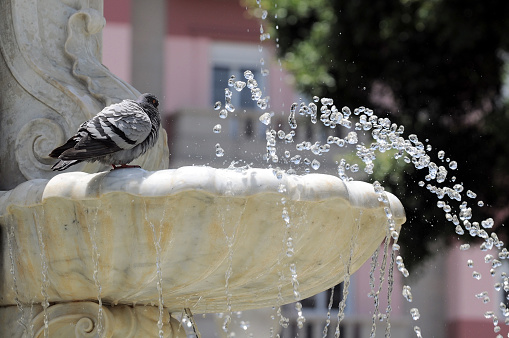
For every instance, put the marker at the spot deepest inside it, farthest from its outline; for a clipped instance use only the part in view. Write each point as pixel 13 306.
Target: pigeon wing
pixel 89 148
pixel 124 123
pixel 120 126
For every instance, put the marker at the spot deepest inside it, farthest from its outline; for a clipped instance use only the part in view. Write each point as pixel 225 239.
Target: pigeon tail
pixel 62 165
pixel 68 145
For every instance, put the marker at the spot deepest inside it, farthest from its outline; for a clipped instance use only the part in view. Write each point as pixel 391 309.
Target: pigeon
pixel 115 136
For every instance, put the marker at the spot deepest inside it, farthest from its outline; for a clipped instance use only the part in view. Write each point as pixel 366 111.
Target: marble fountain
pixel 114 254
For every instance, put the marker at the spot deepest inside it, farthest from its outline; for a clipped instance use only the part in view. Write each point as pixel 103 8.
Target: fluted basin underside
pixel 219 231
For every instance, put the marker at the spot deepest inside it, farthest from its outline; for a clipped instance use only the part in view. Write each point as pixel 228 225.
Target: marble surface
pixel 52 81
pixel 80 319
pixel 198 224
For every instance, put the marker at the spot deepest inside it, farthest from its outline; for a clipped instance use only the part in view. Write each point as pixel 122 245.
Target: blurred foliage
pixel 435 66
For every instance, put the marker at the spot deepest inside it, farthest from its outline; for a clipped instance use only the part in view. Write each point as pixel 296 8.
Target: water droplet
pixel 315 164
pixel 223 114
pixel 417 331
pixel 217 105
pixel 219 150
pixel 248 75
pixel 239 85
pixel 292 121
pixel 471 194
pixel 265 118
pixel 415 313
pixel 480 203
pixel 296 159
pixel 407 293
pixel 217 128
pixel 413 138
pixel 470 263
pixel 476 275
pixel 464 247
pixel 229 107
pixel 231 81
pixel 256 94
pixel 251 84
pixel 327 101
pixel 453 165
pixel 487 223
pixel 262 104
pixel 459 230
pixel 227 93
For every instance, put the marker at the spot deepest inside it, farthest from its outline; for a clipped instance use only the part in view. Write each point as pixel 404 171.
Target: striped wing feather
pixel 121 126
pixel 124 123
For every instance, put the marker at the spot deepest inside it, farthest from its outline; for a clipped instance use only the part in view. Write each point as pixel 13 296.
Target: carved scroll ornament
pixel 52 81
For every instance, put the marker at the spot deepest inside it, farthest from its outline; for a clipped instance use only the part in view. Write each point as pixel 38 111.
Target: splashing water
pixel 387 140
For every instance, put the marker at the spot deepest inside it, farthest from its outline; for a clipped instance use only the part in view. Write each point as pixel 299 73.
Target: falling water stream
pixel 39 220
pixel 156 236
pixel 227 220
pixel 92 223
pixel 23 321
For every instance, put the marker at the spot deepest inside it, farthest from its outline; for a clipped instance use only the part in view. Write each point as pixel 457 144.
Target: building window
pixel 219 83
pixel 241 100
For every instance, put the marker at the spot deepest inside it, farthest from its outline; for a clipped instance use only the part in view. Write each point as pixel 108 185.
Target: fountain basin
pixel 209 221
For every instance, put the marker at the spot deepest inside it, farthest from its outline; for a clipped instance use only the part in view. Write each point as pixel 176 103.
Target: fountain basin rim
pixel 170 182
pixel 219 182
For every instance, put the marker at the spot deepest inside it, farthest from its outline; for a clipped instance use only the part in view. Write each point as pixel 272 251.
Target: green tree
pixel 435 66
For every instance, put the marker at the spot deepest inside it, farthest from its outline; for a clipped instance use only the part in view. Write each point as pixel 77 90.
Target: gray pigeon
pixel 116 136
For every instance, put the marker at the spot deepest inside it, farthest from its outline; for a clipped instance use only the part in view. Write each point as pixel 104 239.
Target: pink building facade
pixel 201 39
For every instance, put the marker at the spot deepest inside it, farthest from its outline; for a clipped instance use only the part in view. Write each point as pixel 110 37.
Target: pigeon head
pixel 149 99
